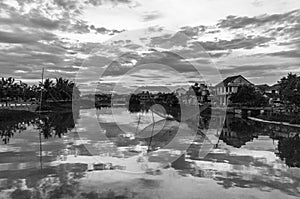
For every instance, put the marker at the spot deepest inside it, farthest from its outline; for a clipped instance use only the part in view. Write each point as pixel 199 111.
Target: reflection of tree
pixel 168 101
pixel 289 150
pixel 56 124
pixel 15 123
pixel 237 132
pixel 51 124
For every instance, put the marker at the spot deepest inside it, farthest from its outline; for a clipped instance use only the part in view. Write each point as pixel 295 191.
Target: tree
pixel 200 91
pixel 290 89
pixel 47 88
pixel 248 96
pixel 61 89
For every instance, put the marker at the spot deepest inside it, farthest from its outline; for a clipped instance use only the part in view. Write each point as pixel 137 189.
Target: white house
pixel 227 87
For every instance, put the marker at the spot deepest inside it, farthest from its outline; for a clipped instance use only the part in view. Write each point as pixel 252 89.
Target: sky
pixel 126 44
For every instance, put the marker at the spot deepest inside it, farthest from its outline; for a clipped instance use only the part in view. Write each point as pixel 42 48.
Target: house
pixel 262 88
pixel 145 96
pixel 227 87
pixel 270 92
pixel 273 89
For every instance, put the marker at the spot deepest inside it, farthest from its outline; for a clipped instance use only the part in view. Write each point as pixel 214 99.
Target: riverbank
pixel 291 119
pixel 274 122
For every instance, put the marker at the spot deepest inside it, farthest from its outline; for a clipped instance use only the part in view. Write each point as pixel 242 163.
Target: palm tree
pixel 47 88
pixel 65 89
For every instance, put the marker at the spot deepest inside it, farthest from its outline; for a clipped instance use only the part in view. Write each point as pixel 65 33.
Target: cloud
pixel 38 34
pixel 103 30
pixel 257 3
pixel 62 15
pixel 234 22
pixel 289 53
pixel 114 2
pixel 150 16
pixel 67 4
pixel 24 37
pixel 192 31
pixel 30 21
pixel 244 42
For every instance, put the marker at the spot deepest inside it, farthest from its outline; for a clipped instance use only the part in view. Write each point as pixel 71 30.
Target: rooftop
pixel 230 79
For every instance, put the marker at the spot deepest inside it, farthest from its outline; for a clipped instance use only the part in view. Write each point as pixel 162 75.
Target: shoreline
pixel 274 122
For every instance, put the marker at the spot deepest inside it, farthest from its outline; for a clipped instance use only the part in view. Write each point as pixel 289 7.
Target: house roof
pixel 275 87
pixel 263 87
pixel 230 79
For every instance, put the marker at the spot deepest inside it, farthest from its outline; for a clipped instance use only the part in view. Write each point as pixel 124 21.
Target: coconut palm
pixel 47 88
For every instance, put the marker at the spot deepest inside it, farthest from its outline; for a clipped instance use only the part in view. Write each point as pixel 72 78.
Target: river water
pixel 117 154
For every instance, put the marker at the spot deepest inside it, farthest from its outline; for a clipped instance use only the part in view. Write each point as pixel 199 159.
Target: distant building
pixel 270 92
pixel 273 89
pixel 227 87
pixel 262 88
pixel 145 96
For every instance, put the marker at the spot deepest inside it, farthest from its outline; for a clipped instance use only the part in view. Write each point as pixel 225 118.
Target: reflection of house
pixel 193 100
pixel 180 92
pixel 229 86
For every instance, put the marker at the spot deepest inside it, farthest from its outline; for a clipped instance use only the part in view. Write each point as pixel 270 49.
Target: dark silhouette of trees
pixel 289 150
pixel 53 124
pixel 58 90
pixel 248 96
pixel 200 91
pixel 290 89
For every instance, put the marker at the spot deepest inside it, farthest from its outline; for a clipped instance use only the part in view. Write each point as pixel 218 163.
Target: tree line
pixel 289 93
pixel 55 90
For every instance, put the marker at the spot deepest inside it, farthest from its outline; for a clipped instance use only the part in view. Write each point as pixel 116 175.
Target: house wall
pixel 224 92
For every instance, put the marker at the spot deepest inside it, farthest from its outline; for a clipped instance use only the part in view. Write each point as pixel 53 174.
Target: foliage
pixel 12 90
pixel 248 96
pixel 290 89
pixel 199 90
pixel 289 150
pixel 50 124
pixel 61 89
pixel 168 101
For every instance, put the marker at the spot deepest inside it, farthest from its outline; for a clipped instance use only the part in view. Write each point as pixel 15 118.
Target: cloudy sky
pixel 133 43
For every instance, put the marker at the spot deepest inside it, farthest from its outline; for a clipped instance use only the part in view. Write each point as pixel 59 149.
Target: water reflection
pixel 247 155
pixel 49 124
pixel 14 125
pixel 55 124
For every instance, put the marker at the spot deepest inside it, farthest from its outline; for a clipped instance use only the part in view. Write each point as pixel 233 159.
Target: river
pixel 107 153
